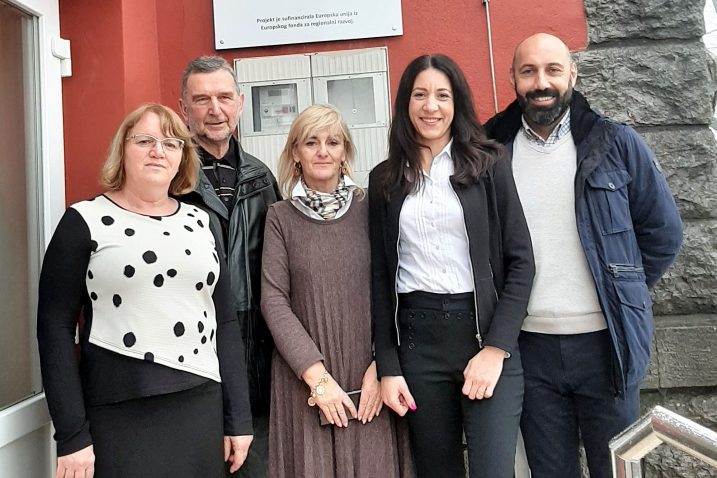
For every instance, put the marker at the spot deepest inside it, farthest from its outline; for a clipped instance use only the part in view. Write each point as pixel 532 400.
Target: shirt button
pixel 611 186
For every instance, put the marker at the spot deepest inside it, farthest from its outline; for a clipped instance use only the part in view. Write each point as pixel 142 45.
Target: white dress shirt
pixel 433 243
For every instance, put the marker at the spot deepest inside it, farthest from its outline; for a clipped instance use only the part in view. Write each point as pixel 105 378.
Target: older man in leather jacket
pixel 236 189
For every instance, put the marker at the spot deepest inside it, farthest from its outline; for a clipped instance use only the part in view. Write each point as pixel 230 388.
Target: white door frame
pixel 30 416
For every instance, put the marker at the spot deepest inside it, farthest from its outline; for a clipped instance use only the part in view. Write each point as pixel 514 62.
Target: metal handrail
pixel 656 427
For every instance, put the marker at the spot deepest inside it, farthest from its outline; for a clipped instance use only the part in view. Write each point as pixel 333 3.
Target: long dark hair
pixel 472 151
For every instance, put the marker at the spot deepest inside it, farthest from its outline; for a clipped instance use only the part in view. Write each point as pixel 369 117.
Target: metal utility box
pixel 278 88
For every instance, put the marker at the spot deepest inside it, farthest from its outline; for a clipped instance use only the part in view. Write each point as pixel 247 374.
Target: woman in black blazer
pixel 452 269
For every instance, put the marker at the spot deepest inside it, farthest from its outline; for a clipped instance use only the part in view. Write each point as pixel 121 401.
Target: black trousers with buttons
pixel 437 340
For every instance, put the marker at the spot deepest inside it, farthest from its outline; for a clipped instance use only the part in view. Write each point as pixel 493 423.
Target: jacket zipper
pixel 617 268
pixel 479 337
pixel 492 278
pixel 244 232
pixel 395 283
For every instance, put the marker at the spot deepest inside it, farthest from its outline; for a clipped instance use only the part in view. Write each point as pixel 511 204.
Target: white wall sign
pixel 247 23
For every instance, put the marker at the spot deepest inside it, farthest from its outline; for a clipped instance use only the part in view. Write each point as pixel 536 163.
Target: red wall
pixel 125 52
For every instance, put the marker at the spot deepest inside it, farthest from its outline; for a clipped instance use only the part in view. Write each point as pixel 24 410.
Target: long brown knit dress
pixel 316 301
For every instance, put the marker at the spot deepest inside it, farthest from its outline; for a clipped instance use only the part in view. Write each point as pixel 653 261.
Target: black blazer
pixel 501 257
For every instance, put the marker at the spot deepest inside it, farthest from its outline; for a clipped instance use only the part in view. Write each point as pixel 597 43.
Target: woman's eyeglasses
pixel 147 141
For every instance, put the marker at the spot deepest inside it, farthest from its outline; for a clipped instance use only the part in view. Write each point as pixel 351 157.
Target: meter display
pixel 274 107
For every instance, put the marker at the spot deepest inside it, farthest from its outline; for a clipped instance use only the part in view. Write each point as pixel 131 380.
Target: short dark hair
pixel 472 151
pixel 207 64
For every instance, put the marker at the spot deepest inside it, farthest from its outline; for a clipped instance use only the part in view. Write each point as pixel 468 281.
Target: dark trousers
pixel 437 341
pixel 569 396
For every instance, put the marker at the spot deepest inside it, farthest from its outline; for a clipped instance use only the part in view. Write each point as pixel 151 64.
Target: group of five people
pixel 492 278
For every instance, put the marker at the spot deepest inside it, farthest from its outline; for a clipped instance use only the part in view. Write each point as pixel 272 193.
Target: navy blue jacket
pixel 628 224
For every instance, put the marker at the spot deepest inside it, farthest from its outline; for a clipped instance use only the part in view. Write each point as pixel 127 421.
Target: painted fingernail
pixel 413 407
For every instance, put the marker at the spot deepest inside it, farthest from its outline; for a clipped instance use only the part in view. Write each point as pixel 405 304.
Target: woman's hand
pixel 334 401
pixel 236 449
pixel 80 464
pixel 482 373
pixel 370 403
pixel 396 396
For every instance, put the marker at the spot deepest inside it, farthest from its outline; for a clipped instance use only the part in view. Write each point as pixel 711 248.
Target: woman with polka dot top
pixel 159 388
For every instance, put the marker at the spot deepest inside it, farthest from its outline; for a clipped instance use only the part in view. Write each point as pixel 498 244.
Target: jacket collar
pixel 505 125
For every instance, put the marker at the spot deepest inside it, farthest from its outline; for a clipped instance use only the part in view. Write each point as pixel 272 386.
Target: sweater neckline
pixel 179 206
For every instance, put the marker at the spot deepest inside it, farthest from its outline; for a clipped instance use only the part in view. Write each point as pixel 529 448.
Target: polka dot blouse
pixel 150 280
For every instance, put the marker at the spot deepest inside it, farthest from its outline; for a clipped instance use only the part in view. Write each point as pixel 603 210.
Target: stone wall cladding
pixel 654 83
pixel 646 66
pixel 610 20
pixel 690 286
pixel 687 157
pixel 685 354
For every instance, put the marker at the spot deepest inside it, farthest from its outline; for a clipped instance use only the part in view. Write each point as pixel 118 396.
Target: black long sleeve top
pixel 100 376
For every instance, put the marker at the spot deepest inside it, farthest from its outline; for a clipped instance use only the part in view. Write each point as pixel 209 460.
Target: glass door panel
pixel 19 217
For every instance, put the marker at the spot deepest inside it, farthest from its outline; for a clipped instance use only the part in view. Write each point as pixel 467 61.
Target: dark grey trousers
pixel 437 341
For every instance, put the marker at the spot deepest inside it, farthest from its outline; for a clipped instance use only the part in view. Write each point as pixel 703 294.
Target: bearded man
pixel 604 227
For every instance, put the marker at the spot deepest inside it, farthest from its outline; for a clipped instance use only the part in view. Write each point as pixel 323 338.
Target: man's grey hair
pixel 207 64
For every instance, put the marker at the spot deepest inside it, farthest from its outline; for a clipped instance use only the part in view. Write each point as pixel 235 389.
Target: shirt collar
pixel 300 191
pixel 230 158
pixel 559 132
pixel 445 152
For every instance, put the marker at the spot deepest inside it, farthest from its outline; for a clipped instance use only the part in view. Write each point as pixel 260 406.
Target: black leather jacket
pixel 256 191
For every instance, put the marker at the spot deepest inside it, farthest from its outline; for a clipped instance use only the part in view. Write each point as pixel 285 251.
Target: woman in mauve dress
pixel 316 300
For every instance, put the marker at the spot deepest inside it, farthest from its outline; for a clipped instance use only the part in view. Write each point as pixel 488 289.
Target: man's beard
pixel 545 116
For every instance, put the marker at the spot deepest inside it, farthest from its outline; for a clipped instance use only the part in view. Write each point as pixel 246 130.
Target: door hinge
pixel 61 51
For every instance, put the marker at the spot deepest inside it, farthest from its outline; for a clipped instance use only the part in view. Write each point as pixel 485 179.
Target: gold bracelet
pixel 319 389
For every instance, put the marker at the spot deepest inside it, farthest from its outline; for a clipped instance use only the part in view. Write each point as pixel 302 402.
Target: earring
pixel 343 168
pixel 297 168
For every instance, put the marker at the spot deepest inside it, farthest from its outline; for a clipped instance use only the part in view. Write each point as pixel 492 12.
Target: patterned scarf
pixel 326 204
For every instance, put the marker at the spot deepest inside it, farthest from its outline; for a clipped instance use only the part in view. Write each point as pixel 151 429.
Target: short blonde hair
pixel 313 119
pixel 113 174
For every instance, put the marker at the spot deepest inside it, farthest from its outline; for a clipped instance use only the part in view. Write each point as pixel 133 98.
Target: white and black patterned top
pixel 156 310
pixel 151 281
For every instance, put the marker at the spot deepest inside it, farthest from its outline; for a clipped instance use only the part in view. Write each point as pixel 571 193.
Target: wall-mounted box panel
pixel 277 89
pixel 361 99
pixel 271 106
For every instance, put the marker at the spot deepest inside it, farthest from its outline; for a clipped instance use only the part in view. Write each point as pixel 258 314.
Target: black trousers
pixel 437 341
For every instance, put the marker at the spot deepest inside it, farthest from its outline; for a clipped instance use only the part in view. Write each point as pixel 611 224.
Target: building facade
pixel 639 61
